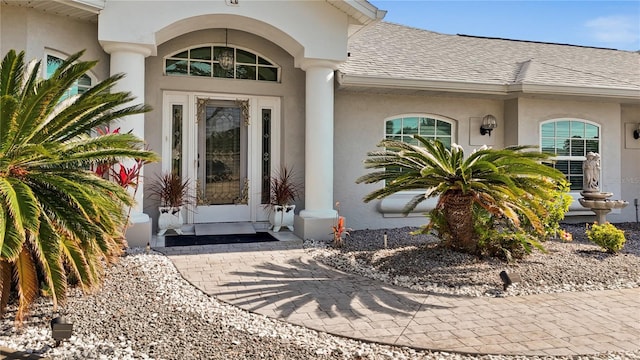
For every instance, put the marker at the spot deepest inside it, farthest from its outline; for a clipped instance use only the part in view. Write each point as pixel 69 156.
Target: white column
pixel 129 59
pixel 319 140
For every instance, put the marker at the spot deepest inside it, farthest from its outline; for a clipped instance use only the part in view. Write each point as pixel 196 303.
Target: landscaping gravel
pixel 416 262
pixel 146 310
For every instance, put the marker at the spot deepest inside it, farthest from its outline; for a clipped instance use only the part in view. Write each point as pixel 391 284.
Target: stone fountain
pixel 592 198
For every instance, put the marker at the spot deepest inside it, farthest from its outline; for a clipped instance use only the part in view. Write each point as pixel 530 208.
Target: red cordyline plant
pixel 339 229
pixel 101 169
pixel 126 177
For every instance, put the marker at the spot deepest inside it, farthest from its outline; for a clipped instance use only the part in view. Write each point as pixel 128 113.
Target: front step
pixel 224 228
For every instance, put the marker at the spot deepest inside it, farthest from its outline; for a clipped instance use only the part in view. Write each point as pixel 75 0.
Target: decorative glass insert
pixel 570 140
pixel 79 87
pixel 403 128
pixel 266 155
pixel 222 149
pixel 176 140
pixel 203 61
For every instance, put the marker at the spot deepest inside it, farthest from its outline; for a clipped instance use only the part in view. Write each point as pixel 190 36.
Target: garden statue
pixel 592 198
pixel 591 169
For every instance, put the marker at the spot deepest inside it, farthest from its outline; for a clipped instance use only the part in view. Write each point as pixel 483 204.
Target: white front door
pixel 222 144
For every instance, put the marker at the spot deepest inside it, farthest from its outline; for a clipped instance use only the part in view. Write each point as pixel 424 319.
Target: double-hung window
pixel 569 140
pixel 403 127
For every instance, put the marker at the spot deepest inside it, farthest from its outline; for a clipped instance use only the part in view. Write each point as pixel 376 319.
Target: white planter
pixel 281 216
pixel 170 219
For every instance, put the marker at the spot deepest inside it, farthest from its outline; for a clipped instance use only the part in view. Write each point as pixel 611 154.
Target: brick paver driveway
pixel 280 280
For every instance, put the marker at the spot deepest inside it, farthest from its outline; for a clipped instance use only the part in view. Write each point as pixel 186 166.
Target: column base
pixel 138 233
pixel 314 227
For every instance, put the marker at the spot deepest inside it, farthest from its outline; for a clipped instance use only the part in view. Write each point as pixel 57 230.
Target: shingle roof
pixel 391 51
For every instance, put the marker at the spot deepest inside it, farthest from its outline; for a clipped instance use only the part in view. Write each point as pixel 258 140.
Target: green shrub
pixel 556 210
pixel 607 236
pixel 498 237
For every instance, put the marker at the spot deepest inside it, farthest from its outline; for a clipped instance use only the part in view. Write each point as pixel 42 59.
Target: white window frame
pixel 393 205
pixel 213 61
pixel 62 56
pixel 571 157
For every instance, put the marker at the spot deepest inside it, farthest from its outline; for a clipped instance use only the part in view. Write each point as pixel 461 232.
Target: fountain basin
pixel 603 204
pixel 595 195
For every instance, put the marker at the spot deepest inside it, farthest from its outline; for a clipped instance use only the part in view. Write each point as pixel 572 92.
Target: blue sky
pixel 610 24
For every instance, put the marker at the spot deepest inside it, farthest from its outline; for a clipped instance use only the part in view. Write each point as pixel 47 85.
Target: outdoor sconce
pixel 509 279
pixel 636 132
pixel 488 124
pixel 60 330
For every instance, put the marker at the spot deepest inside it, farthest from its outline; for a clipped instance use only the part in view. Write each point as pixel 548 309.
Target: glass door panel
pixel 221 174
pixel 222 162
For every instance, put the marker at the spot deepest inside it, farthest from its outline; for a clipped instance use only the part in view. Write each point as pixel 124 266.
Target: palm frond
pixel 6 282
pixel 26 280
pixel 46 247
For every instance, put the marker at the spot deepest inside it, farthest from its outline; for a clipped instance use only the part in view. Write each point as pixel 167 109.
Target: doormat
pixel 190 240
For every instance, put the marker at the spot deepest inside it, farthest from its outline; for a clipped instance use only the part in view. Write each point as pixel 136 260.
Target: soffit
pixel 86 10
pixel 361 11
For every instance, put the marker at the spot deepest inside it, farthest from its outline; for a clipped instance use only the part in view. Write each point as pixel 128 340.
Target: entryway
pixel 224 144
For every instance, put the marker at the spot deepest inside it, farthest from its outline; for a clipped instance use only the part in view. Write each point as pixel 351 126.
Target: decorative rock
pixel 116 322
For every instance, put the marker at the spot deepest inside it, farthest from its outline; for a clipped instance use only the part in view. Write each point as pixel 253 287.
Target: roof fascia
pixel 363 12
pixel 366 8
pixel 484 88
pixel 418 84
pixel 603 92
pixel 92 6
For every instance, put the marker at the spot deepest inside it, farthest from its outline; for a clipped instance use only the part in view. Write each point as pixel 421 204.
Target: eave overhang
pixel 500 90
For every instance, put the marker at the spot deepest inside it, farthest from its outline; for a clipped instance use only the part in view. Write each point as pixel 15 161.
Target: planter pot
pixel 170 219
pixel 281 216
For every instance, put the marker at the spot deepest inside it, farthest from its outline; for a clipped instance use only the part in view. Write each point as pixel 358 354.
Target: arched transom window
pixel 570 140
pixel 204 61
pixel 403 127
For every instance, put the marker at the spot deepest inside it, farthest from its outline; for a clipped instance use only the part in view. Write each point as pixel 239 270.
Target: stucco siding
pixel 137 22
pixel 532 112
pixel 630 162
pixel 36 32
pixel 291 90
pixel 359 127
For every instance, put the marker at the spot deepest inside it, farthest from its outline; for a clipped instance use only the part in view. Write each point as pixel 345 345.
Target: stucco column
pixel 130 60
pixel 319 212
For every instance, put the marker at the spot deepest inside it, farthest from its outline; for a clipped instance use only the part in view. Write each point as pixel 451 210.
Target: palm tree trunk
pixel 458 213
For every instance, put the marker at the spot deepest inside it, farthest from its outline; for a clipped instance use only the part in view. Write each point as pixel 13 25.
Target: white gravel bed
pixel 416 262
pixel 146 310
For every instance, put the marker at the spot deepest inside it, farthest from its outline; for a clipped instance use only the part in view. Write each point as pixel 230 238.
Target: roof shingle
pixel 392 51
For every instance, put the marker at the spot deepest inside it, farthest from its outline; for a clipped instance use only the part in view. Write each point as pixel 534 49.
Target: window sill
pixel 392 205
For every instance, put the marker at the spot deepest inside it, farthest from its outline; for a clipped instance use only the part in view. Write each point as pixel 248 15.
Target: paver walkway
pixel 281 281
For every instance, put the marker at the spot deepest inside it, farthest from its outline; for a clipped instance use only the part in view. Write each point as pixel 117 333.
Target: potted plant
pixel 284 191
pixel 173 194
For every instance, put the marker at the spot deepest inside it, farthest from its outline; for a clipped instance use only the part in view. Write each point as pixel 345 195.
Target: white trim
pixel 228 45
pixel 452 122
pixel 393 205
pixel 62 56
pixel 570 157
pixel 254 144
pixel 347 81
pixel 92 6
pixel 418 84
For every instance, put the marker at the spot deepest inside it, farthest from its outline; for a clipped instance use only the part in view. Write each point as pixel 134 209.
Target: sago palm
pixel 510 183
pixel 57 218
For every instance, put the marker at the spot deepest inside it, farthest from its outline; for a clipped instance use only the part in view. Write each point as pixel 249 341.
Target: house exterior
pixel 240 88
